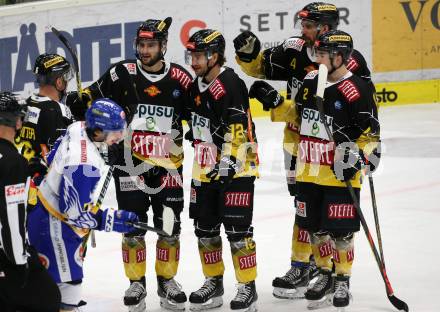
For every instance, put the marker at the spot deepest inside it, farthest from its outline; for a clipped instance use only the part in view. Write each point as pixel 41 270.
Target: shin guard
pixel 322 247
pixel 343 255
pixel 301 248
pixel 210 250
pixel 244 258
pixel 167 256
pixel 134 257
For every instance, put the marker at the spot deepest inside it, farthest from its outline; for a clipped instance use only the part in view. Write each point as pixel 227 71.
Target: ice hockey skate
pixel 171 295
pixel 209 296
pixel 134 297
pixel 293 284
pixel 246 298
pixel 319 294
pixel 342 295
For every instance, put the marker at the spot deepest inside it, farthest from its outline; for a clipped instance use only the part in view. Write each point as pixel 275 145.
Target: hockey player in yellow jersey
pixel 224 170
pixel 324 206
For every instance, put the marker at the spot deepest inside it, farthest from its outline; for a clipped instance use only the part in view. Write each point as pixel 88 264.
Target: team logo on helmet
pixel 53 61
pixel 146 34
pixel 152 91
pixel 212 36
pixel 339 38
pixel 326 7
pixel 191 45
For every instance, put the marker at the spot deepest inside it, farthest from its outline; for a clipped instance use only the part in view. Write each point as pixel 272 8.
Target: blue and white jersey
pixel 74 180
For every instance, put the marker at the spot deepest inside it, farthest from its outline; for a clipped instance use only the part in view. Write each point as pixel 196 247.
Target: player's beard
pixel 153 59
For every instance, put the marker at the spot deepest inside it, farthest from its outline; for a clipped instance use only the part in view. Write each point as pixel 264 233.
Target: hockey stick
pixel 396 302
pixel 98 205
pixel 72 52
pixel 167 223
pixel 376 217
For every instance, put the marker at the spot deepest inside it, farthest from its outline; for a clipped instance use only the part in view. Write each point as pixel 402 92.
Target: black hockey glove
pixel 266 94
pixel 225 169
pixel 347 162
pixel 78 104
pixel 37 167
pixel 247 46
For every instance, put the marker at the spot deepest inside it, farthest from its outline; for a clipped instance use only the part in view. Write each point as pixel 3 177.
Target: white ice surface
pixel 408 193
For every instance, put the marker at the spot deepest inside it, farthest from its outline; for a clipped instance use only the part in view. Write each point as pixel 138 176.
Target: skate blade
pixel 171 305
pixel 324 302
pixel 140 307
pixel 212 303
pixel 284 293
pixel 251 308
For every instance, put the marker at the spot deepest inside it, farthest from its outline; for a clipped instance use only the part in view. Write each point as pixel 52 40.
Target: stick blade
pixel 322 80
pixel 168 220
pixel 398 304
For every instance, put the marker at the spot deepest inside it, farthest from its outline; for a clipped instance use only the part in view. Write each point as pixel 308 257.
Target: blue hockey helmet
pixel 104 114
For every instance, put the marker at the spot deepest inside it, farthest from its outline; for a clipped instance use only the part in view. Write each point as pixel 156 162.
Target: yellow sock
pixel 210 251
pixel 244 258
pixel 167 256
pixel 301 248
pixel 344 255
pixel 134 257
pixel 322 247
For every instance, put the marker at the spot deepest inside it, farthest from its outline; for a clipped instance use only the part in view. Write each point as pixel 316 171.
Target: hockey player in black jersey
pixel 224 170
pixel 47 116
pixel 153 94
pixel 25 285
pixel 291 61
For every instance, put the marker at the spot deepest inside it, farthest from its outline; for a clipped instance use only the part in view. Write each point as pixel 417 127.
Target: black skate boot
pixel 209 296
pixel 342 295
pixel 313 269
pixel 171 295
pixel 294 283
pixel 320 293
pixel 246 298
pixel 134 297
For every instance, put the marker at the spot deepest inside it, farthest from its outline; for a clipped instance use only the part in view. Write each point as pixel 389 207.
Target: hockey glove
pixel 37 168
pixel 247 46
pixel 118 220
pixel 78 104
pixel 225 169
pixel 372 160
pixel 266 94
pixel 347 162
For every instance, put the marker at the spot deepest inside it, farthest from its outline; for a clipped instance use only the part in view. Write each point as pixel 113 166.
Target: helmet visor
pixel 115 136
pixel 197 56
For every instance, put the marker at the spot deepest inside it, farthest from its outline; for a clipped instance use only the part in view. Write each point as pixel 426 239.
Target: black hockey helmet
pixel 49 67
pixel 10 109
pixel 321 13
pixel 153 29
pixel 335 41
pixel 207 40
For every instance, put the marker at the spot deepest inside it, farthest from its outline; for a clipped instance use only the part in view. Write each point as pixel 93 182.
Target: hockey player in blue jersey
pixel 66 210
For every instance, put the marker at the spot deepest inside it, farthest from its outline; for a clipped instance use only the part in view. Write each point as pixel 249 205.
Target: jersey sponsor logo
pixel 325 249
pixel 83 151
pixel 350 255
pixel 113 74
pixel 78 256
pixel 349 90
pixel 15 194
pixel 248 261
pixel 301 209
pixel 212 257
pixel 33 114
pixel 141 255
pixel 292 127
pixel 179 75
pixel 352 64
pixel 132 183
pixel 163 254
pixel 294 43
pixel 295 85
pixel 217 89
pixel 312 126
pixel 315 151
pixel 201 128
pixel 151 145
pixel 176 93
pixel 341 211
pixel 28 133
pixel 338 105
pixel 205 154
pixel 303 236
pixel 131 68
pixel 125 255
pixel 153 118
pixel 171 181
pixel 152 91
pixel 193 196
pixel 237 199
pixel 311 74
